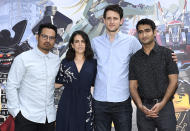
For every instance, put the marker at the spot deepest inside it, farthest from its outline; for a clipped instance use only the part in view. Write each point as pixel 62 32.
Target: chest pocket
pixel 122 53
pixel 102 55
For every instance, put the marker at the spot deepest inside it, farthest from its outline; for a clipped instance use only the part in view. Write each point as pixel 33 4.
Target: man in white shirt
pixel 30 85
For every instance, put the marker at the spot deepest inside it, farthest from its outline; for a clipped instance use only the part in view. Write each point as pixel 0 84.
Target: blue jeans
pixel 120 113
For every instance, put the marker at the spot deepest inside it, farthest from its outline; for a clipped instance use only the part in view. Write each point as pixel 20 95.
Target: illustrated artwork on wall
pixel 20 23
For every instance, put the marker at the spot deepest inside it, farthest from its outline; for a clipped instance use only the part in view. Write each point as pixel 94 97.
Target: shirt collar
pixel 154 49
pixel 117 35
pixel 40 53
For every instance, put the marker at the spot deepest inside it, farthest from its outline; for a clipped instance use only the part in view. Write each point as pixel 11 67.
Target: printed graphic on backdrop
pixel 20 20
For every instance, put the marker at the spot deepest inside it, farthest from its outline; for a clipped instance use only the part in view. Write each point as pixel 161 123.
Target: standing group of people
pixel 116 64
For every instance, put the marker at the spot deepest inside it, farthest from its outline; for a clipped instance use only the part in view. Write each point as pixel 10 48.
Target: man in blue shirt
pixel 112 50
pixel 30 85
pixel 112 102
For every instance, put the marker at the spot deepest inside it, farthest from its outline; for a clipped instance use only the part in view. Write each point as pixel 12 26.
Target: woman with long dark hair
pixel 77 74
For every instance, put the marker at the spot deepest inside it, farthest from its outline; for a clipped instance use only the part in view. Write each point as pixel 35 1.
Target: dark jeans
pixel 165 122
pixel 22 124
pixel 118 112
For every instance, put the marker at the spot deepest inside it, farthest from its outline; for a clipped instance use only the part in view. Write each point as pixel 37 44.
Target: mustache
pixel 47 43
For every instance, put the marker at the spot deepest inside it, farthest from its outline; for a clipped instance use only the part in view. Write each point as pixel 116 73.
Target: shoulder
pixel 132 40
pixel 136 55
pixel 98 39
pixel 92 61
pixel 65 61
pixel 165 51
pixel 25 55
pixel 55 57
pixel 127 36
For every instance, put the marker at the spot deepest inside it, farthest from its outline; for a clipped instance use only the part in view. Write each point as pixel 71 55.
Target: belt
pixel 151 101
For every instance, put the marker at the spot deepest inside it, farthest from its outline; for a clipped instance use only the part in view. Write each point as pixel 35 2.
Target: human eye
pixel 140 31
pixel 115 18
pixel 52 37
pixel 44 36
pixel 83 41
pixel 147 30
pixel 76 41
pixel 108 18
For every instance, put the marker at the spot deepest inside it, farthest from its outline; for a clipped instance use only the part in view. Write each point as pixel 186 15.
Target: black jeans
pixel 22 124
pixel 118 112
pixel 165 122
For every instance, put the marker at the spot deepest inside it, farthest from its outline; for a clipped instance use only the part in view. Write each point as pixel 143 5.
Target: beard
pixel 148 42
pixel 45 46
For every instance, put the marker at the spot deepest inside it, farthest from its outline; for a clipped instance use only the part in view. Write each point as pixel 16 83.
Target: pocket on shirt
pixel 123 57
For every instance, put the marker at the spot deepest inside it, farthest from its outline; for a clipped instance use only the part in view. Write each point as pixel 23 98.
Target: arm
pixel 60 78
pixel 172 71
pixel 57 85
pixel 173 78
pixel 133 84
pixel 15 77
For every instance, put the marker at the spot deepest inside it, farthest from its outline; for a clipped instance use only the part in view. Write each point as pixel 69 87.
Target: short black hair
pixel 115 8
pixel 146 21
pixel 47 25
pixel 70 55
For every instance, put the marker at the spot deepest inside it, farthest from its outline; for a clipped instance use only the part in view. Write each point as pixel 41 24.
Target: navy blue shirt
pixel 152 71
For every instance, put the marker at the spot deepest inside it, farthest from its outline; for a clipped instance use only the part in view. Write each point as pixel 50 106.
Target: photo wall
pixel 19 21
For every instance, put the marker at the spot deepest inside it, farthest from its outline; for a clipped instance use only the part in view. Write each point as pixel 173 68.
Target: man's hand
pixel 174 57
pixel 157 107
pixel 148 112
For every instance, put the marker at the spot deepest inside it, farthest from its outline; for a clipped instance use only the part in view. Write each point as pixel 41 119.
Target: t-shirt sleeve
pixel 171 65
pixel 132 74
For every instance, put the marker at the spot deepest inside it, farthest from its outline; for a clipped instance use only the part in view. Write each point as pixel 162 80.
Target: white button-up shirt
pixel 30 86
pixel 112 84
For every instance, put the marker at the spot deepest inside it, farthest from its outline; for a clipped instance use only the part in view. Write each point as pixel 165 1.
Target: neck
pixel 112 35
pixel 147 48
pixel 79 57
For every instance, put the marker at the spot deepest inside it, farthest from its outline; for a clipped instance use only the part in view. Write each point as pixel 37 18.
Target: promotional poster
pixel 20 19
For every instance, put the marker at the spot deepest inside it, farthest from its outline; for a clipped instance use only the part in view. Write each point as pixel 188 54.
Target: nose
pixel 80 43
pixel 112 20
pixel 144 34
pixel 48 39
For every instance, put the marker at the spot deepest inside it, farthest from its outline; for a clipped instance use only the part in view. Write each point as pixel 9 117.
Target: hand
pixel 174 57
pixel 157 107
pixel 148 112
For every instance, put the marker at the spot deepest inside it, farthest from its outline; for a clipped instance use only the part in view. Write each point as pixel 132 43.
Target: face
pixel 112 21
pixel 146 34
pixel 46 40
pixel 79 44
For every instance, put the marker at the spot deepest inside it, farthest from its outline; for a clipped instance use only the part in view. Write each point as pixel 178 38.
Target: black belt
pixel 151 101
